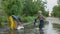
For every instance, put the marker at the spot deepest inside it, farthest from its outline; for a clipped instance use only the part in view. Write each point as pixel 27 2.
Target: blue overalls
pixel 41 25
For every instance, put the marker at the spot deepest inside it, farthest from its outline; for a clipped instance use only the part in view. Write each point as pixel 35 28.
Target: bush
pixel 56 26
pixel 0 24
pixel 3 19
pixel 0 21
pixel 28 18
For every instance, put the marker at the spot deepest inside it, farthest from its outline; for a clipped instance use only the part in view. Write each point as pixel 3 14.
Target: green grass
pixel 3 20
pixel 56 26
pixel 1 25
pixel 28 18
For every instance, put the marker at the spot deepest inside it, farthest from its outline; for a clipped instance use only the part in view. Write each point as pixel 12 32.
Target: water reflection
pixel 16 32
pixel 13 32
pixel 50 29
pixel 38 31
pixel 41 31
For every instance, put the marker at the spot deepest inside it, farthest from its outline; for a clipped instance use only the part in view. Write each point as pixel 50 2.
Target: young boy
pixel 41 19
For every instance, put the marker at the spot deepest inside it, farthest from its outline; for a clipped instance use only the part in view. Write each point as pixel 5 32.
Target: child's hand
pixel 19 23
pixel 35 22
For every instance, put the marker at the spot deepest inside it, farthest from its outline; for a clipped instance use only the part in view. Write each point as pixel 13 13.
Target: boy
pixel 41 19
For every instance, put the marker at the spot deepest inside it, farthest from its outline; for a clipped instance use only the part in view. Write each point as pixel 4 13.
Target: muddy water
pixel 48 29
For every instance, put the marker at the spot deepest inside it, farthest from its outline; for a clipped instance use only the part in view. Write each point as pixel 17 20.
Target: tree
pixel 23 7
pixel 56 11
pixel 58 2
pixel 12 7
pixel 31 7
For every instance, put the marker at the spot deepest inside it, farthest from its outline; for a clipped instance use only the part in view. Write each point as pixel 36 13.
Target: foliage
pixel 4 19
pixel 56 26
pixel 23 7
pixel 56 11
pixel 0 22
pixel 26 8
pixel 45 13
pixel 12 6
pixel 28 18
pixel 31 8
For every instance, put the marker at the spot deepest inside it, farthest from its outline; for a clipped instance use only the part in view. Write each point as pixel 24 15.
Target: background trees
pixel 31 7
pixel 23 7
pixel 56 10
pixel 12 7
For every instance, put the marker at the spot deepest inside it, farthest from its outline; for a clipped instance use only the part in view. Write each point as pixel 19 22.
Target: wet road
pixel 53 20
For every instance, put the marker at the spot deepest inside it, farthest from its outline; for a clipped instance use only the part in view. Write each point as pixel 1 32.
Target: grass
pixel 27 19
pixel 56 26
pixel 0 25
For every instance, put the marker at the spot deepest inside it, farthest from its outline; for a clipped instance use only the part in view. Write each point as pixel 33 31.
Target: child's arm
pixel 35 21
pixel 20 21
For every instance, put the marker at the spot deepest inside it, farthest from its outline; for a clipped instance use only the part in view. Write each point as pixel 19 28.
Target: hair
pixel 39 11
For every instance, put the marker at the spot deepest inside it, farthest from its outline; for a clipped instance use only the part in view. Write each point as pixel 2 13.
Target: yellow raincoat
pixel 13 24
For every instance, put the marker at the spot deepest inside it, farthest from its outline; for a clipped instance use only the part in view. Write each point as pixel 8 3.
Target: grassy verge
pixel 27 19
pixel 3 20
pixel 56 26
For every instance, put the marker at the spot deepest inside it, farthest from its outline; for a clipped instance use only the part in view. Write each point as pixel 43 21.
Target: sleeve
pixel 35 21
